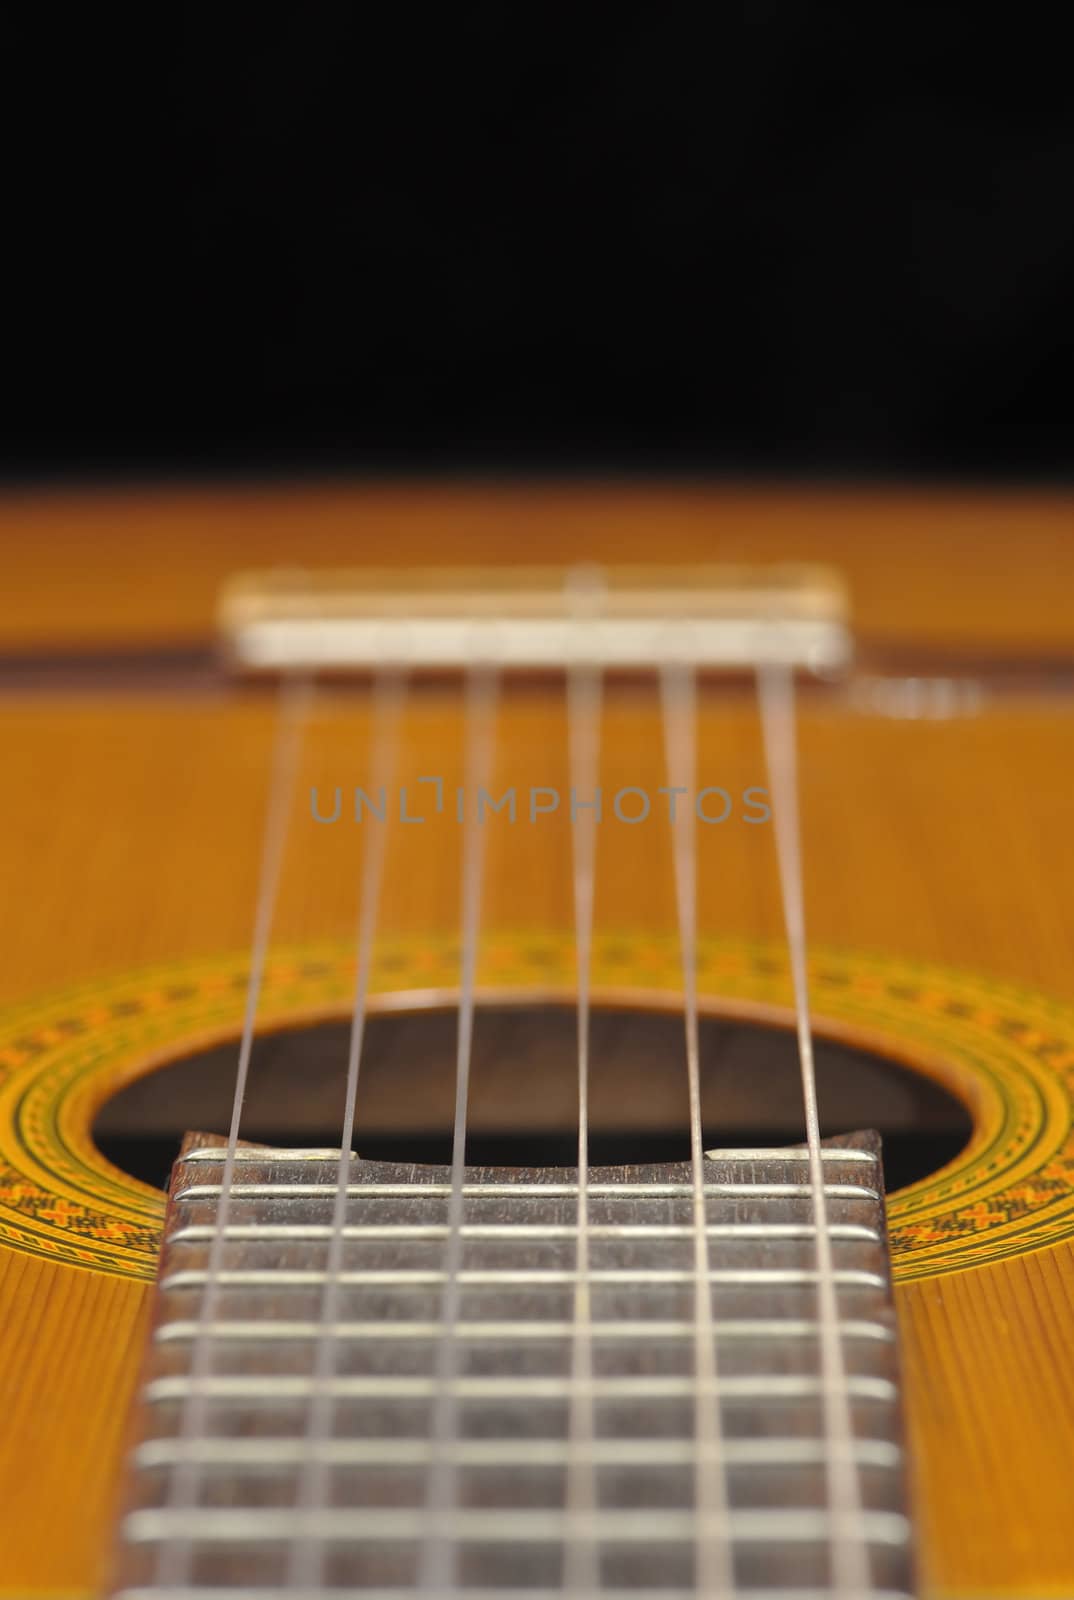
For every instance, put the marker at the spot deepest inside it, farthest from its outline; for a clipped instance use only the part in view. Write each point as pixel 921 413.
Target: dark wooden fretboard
pixel 514 1449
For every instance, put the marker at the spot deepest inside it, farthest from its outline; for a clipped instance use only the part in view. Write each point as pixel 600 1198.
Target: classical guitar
pixel 537 1046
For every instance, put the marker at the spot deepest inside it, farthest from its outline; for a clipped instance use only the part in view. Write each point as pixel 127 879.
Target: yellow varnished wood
pixel 991 1406
pixel 71 1349
pixel 130 838
pixel 144 566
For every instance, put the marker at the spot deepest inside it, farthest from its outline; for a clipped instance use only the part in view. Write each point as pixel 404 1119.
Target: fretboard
pixel 528 1468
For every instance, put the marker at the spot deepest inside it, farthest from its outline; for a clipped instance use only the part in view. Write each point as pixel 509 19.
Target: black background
pixel 768 239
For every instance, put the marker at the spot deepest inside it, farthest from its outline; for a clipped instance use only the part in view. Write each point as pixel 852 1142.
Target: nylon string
pixel 581 1573
pixel 293 706
pixel 437 1565
pixel 714 1566
pixel 306 1556
pixel 850 1565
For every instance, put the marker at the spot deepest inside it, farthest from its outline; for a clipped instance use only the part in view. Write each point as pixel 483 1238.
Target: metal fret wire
pixel 261 1231
pixel 295 698
pixel 499 1275
pixel 581 1573
pixel 306 1557
pixel 714 1575
pixel 207 1592
pixel 437 1565
pixel 204 1592
pixel 851 1572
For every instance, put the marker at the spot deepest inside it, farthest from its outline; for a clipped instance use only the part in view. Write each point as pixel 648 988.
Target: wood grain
pixel 132 831
pixel 71 1350
pixel 987 1368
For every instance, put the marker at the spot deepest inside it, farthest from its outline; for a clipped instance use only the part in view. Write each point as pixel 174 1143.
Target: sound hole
pixel 523 1101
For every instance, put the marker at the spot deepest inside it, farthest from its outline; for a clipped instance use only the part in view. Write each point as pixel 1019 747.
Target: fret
pixel 287 1277
pixel 746 1231
pixel 524 1191
pixel 746 1328
pixel 232 1592
pixel 512 1379
pixel 350 1524
pixel 878 1453
pixel 532 1388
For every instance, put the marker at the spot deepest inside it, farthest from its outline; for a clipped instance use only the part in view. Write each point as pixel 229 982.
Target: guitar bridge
pixel 537 619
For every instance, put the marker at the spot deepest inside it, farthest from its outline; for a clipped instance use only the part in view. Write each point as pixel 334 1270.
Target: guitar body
pixel 939 879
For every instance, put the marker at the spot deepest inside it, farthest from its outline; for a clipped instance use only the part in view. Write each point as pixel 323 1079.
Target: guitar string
pixel 776 693
pixel 437 1562
pixel 714 1571
pixel 294 700
pixel 850 1565
pixel 306 1556
pixel 584 697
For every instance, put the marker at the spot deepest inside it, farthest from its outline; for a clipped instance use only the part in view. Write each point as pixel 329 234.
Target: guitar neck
pixel 421 1421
